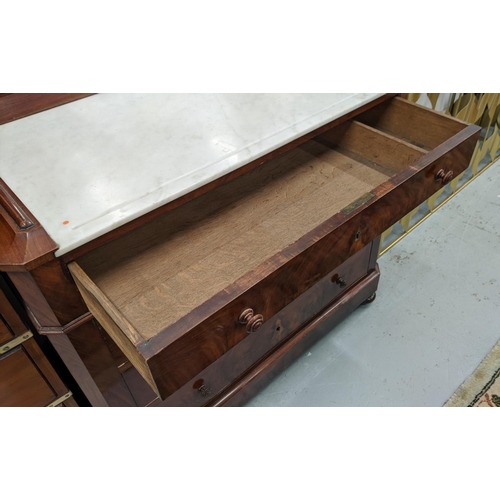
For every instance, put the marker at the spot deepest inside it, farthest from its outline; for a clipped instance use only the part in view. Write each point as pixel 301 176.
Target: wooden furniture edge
pixel 24 243
pixel 15 106
pixel 67 352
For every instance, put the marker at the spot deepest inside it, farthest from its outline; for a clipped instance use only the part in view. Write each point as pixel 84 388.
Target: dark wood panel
pixel 56 285
pixel 5 332
pixel 78 370
pixel 372 264
pixel 88 342
pixel 9 322
pixel 21 383
pixel 35 302
pixel 139 388
pixel 8 313
pixel 120 360
pixel 15 106
pixel 63 296
pixel 44 367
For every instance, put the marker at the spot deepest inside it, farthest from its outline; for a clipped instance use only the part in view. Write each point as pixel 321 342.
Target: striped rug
pixel 482 388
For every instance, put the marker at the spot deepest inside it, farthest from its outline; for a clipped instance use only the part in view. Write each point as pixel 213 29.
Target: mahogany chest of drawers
pixel 203 300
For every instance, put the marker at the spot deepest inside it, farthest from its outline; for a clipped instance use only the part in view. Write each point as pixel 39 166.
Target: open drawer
pixel 185 288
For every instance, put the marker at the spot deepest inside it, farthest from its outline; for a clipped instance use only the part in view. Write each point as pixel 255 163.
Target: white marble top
pixel 90 166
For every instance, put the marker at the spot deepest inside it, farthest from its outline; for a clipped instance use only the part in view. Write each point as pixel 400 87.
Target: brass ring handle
pixel 253 321
pixel 445 178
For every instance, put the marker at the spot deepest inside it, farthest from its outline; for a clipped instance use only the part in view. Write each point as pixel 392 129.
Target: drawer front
pixel 272 333
pixel 21 383
pixel 26 376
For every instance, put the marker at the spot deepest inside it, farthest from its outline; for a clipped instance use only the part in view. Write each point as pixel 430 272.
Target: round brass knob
pixel 444 177
pixel 253 321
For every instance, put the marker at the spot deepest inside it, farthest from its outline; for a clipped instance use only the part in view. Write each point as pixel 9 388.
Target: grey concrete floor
pixel 436 316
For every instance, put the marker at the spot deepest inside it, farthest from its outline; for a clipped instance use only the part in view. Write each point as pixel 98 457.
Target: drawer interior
pixel 163 270
pixel 415 124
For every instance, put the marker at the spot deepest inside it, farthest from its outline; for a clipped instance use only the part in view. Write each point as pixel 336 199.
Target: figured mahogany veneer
pixel 171 292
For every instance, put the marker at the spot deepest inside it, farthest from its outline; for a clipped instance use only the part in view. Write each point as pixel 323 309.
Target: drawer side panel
pixel 115 324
